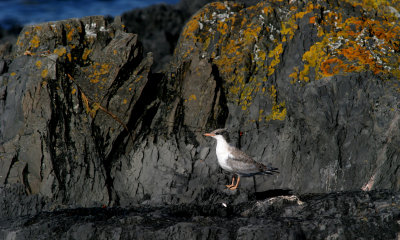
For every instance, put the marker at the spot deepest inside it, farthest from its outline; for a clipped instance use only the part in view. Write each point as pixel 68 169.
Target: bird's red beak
pixel 209 134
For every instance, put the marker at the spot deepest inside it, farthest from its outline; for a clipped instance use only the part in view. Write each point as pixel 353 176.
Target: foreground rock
pixel 347 215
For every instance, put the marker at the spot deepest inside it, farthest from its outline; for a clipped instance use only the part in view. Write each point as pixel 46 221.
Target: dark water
pixel 24 12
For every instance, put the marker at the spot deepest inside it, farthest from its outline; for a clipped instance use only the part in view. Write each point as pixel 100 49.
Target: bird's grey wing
pixel 243 163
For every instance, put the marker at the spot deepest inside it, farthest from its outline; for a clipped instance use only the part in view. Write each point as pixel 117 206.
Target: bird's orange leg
pixel 237 183
pixel 231 185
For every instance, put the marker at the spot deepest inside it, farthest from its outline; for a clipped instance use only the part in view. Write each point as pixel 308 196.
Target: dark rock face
pixel 310 87
pixel 326 118
pixel 57 138
pixel 320 112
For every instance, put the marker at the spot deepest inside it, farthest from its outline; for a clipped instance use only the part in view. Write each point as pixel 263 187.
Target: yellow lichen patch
pixel 73 91
pixel 69 57
pixel 218 5
pixel 275 55
pixel 190 28
pixel 86 53
pixel 222 28
pixel 267 10
pixel 95 107
pixel 294 75
pixel 192 97
pixel 252 33
pixel 140 77
pixel 99 73
pixel 357 44
pixel 44 73
pixel 278 111
pixel 289 27
pixel 60 51
pixel 38 64
pixel 124 101
pixel 70 34
pixel 313 58
pixel 13 74
pixel 34 43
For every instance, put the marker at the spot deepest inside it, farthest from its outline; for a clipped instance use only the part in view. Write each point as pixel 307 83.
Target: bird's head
pixel 217 134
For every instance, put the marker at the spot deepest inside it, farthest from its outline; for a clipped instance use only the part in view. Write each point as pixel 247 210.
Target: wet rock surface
pixel 93 144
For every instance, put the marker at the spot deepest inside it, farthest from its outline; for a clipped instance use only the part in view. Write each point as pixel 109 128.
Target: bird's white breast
pixel 223 154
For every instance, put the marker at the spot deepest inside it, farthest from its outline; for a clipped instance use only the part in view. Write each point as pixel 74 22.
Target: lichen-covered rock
pixel 67 98
pixel 84 122
pixel 310 87
pixel 159 26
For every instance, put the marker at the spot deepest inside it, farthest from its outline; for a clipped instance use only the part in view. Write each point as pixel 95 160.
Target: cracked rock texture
pixel 56 139
pixel 311 87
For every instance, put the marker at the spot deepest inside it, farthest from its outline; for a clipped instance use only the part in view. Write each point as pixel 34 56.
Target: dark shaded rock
pixel 346 215
pixel 159 27
pixel 8 37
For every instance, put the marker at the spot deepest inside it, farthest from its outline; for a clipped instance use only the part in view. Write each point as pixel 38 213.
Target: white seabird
pixel 233 160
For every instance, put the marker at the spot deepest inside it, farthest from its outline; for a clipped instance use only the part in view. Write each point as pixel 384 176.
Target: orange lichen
pixel 44 73
pixel 192 97
pixel 60 51
pixel 70 34
pixel 218 5
pixel 331 66
pixel 86 53
pixel 38 64
pixel 294 75
pixel 99 73
pixel 267 10
pixel 34 43
pixel 344 50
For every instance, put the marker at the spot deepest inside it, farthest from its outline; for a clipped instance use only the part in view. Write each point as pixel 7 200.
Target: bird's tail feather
pixel 270 170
